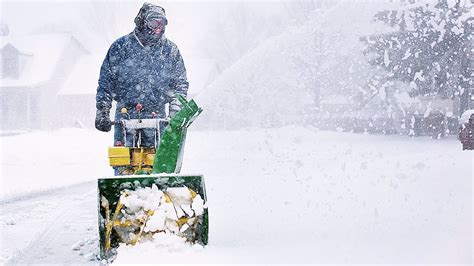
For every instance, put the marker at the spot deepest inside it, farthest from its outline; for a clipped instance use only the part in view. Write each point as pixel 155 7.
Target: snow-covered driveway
pixel 289 195
pixel 57 226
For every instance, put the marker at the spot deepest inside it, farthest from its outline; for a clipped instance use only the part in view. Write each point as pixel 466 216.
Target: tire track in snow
pixel 6 201
pixel 56 221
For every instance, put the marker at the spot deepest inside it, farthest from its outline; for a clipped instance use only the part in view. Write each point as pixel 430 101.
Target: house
pixel 34 69
pixel 76 99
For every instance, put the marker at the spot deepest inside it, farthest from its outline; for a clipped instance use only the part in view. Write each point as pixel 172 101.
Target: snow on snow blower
pixel 150 197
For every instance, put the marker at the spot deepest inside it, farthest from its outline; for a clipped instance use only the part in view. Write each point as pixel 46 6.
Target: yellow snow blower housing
pixel 133 160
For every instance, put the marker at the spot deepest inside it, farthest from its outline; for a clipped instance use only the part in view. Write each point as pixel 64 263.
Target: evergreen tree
pixel 430 47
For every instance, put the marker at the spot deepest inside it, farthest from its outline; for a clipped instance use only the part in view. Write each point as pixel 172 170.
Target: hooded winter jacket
pixel 134 73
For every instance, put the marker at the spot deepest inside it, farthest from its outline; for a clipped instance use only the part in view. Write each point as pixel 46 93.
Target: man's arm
pixel 104 95
pixel 181 79
pixel 180 82
pixel 106 84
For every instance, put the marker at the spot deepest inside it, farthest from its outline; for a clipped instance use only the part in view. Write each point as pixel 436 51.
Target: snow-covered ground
pixel 51 159
pixel 288 195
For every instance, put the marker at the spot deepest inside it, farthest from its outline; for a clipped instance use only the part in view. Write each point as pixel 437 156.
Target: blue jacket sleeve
pixel 180 79
pixel 106 88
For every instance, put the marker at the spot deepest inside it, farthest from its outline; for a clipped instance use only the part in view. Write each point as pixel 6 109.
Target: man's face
pixel 157 31
pixel 156 25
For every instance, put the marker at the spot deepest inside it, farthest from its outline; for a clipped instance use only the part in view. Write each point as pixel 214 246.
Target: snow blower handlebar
pixel 170 136
pixel 188 112
pixel 140 123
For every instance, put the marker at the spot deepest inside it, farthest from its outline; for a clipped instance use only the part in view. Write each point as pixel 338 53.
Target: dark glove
pixel 102 120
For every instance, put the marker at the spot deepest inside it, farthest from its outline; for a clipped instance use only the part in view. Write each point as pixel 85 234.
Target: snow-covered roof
pixel 41 53
pixel 84 76
pixel 465 116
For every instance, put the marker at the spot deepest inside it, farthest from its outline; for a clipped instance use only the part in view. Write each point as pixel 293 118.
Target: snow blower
pixel 150 197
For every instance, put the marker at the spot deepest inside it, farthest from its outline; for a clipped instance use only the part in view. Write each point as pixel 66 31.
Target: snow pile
pixel 169 218
pixel 162 244
pixel 43 160
pixel 278 82
pixel 172 211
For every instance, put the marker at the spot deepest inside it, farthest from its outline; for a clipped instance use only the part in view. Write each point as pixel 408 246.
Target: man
pixel 141 69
